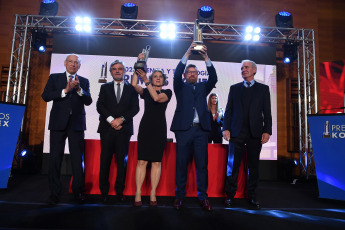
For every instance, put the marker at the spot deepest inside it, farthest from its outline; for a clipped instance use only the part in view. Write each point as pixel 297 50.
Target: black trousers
pixel 118 143
pixel 76 147
pixel 237 146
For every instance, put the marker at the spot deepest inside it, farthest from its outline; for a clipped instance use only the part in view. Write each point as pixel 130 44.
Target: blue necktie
pixel 248 84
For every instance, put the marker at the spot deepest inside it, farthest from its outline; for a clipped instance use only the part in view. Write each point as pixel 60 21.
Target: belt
pixel 195 124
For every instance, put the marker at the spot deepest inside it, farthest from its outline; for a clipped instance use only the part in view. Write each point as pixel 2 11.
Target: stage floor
pixel 23 205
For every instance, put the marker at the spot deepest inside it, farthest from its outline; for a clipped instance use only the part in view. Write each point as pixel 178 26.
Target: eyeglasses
pixel 191 72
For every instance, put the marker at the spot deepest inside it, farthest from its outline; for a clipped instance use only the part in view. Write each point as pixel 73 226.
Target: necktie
pixel 118 93
pixel 70 77
pixel 248 84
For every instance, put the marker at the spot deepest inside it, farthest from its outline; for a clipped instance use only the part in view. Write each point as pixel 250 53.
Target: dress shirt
pixel 208 64
pixel 80 93
pixel 251 83
pixel 122 83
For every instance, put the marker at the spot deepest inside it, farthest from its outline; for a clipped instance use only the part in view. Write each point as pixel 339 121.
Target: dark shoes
pixel 229 201
pixel 254 203
pixel 79 198
pixel 206 205
pixel 178 204
pixel 121 198
pixel 105 199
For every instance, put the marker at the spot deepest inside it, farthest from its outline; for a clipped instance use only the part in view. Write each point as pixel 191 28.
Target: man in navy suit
pixel 69 93
pixel 117 104
pixel 247 125
pixel 191 125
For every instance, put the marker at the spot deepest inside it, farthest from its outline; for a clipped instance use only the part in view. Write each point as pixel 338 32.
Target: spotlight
pixel 167 31
pixel 23 153
pixel 290 52
pixel 129 11
pixel 83 24
pixel 284 19
pixel 39 40
pixel 252 33
pixel 206 14
pixel 49 8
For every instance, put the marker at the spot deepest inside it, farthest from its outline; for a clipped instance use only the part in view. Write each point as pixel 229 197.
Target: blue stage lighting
pixel 284 13
pixel 39 40
pixel 42 49
pixel 23 153
pixel 129 11
pixel 206 8
pixel 284 19
pixel 290 52
pixel 49 8
pixel 206 14
pixel 129 4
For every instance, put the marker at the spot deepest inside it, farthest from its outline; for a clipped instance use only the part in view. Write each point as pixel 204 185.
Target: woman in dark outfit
pixel 152 134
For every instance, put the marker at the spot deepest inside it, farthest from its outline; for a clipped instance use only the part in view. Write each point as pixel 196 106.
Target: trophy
pixel 197 37
pixel 103 77
pixel 141 63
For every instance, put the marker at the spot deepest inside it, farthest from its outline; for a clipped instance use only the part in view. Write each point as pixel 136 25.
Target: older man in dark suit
pixel 117 104
pixel 191 125
pixel 69 93
pixel 247 125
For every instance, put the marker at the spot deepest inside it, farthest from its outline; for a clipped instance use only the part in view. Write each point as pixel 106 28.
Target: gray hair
pixel 253 63
pixel 163 74
pixel 117 62
pixel 73 54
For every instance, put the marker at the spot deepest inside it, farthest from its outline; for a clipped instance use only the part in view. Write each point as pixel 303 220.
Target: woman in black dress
pixel 216 116
pixel 152 134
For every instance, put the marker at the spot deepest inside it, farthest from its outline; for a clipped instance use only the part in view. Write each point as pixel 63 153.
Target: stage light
pixel 256 38
pixel 167 31
pixel 249 29
pixel 286 60
pixel 284 19
pixel 49 8
pixel 38 40
pixel 23 153
pixel 129 11
pixel 257 30
pixel 83 24
pixel 252 34
pixel 290 52
pixel 248 37
pixel 206 14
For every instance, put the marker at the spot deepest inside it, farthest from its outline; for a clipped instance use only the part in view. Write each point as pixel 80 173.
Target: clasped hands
pixel 116 123
pixel 73 84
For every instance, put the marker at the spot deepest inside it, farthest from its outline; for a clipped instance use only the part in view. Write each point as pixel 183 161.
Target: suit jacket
pixel 189 98
pixel 260 118
pixel 62 107
pixel 107 106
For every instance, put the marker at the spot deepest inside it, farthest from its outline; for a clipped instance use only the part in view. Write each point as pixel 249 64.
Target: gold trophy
pixel 197 37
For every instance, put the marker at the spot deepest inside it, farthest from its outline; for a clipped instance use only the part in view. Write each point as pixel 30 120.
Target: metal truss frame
pixel 307 86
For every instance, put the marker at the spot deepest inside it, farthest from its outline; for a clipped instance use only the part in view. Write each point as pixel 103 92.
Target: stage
pixel 23 205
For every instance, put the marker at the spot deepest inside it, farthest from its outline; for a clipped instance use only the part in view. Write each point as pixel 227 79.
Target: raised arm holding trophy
pixel 141 63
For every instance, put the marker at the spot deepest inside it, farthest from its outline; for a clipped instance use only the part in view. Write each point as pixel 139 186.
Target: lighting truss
pixel 306 70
